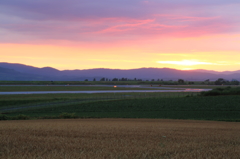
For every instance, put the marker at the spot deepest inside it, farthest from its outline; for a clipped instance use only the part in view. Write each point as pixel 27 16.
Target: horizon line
pixel 119 68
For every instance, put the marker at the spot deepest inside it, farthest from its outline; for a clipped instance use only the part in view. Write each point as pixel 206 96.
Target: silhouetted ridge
pixel 10 71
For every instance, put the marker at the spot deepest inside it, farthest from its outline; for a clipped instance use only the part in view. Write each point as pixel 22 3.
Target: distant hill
pixel 12 75
pixel 20 72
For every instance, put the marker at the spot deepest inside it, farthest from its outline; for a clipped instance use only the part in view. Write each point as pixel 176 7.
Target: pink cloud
pixel 184 18
pixel 168 25
pixel 130 25
pixel 120 28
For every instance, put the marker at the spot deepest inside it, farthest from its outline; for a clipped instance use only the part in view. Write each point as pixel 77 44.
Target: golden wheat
pixel 118 138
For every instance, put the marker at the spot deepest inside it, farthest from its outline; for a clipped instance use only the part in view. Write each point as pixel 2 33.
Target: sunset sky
pixel 122 34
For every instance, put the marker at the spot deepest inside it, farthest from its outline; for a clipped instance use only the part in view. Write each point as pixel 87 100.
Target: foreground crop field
pixel 119 138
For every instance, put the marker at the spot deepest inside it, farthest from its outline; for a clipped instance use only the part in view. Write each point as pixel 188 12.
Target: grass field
pixel 178 105
pixel 119 138
pixel 84 82
pixel 101 83
pixel 65 88
pixel 200 86
pixel 225 108
pixel 91 85
pixel 21 100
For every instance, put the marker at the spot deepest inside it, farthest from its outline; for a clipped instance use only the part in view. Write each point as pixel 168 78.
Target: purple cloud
pixel 78 9
pixel 107 20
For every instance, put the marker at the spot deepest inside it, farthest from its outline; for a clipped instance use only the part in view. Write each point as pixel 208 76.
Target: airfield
pixel 114 121
pixel 47 89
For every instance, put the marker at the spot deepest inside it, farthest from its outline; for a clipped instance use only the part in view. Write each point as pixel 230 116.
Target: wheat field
pixel 119 138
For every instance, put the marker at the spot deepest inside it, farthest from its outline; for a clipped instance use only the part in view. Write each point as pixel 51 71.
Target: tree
pixel 221 81
pixel 94 79
pixel 115 79
pixel 86 80
pixel 102 79
pixel 180 81
pixel 207 81
pixel 123 79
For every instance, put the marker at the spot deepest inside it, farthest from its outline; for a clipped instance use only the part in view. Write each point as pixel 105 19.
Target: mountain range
pixel 21 72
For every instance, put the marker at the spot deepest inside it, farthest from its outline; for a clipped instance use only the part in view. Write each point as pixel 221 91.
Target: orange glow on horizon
pixel 185 62
pixel 187 69
pixel 116 57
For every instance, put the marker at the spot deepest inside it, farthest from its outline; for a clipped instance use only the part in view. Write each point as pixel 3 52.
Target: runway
pixel 103 91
